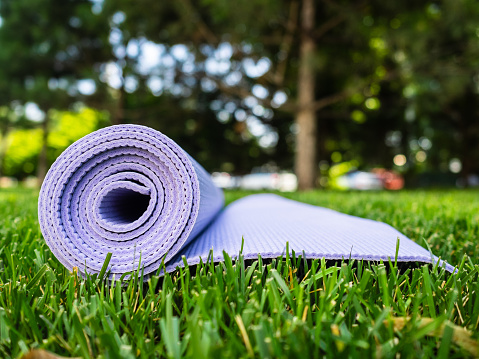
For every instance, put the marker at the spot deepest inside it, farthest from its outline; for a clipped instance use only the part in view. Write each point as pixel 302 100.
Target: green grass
pixel 281 308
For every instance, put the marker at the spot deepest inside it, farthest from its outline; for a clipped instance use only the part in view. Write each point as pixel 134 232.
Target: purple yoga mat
pixel 131 191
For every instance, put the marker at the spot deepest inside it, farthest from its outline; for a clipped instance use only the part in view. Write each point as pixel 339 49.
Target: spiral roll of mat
pixel 127 190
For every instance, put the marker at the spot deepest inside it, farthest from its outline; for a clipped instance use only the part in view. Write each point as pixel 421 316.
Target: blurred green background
pixel 295 85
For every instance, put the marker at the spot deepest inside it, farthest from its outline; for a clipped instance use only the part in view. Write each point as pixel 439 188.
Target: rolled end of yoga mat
pixel 127 190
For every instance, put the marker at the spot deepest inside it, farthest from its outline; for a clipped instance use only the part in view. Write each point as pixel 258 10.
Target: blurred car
pixel 472 181
pixel 8 182
pixel 359 180
pixel 284 182
pixel 377 179
pixel 225 180
pixel 391 179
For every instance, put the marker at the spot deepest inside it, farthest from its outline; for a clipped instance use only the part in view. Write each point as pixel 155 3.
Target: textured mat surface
pixel 266 222
pixel 131 191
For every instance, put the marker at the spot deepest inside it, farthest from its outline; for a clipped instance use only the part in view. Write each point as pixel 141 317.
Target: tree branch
pixel 348 92
pixel 328 25
pixel 335 21
pixel 332 99
pixel 326 101
pixel 189 13
pixel 286 44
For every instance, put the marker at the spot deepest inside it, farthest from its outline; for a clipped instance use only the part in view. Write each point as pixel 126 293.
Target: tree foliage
pixel 223 80
pixel 25 145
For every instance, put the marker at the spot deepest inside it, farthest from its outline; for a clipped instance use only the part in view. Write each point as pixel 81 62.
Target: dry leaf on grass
pixel 43 354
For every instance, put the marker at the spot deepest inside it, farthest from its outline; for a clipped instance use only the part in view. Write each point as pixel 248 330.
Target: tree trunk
pixel 119 114
pixel 305 119
pixel 42 159
pixel 3 145
pixel 466 153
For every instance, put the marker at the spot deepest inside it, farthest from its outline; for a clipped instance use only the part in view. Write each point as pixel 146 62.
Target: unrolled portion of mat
pixel 133 192
pixel 264 223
